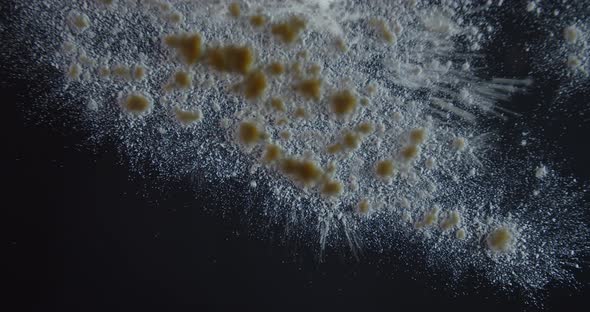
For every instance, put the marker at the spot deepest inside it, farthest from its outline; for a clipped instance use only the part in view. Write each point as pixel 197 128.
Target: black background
pixel 90 238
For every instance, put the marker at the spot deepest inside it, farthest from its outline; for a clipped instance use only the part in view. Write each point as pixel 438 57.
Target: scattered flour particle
pixel 68 47
pixel 86 60
pixel 416 71
pixel 380 128
pixel 431 187
pixel 439 23
pixel 397 28
pixel 430 162
pixel 354 186
pixel 571 34
pixel 74 71
pixel 216 106
pixel 573 62
pixel 460 234
pixel 459 144
pixel 224 123
pixel 541 172
pixel 78 21
pixel 254 168
pixel 531 6
pixel 253 184
pixel 406 216
pixel 175 17
pixel 92 105
pixel 405 203
pixel 465 96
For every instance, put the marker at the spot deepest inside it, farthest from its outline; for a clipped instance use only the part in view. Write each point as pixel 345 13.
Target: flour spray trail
pixel 375 123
